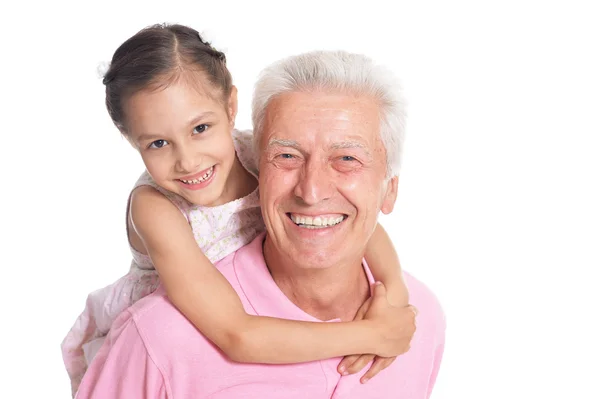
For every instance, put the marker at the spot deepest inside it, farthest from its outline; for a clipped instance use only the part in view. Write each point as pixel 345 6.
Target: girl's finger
pixel 379 364
pixel 359 364
pixel 347 362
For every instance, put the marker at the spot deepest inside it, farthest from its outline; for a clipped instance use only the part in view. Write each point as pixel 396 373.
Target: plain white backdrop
pixel 498 210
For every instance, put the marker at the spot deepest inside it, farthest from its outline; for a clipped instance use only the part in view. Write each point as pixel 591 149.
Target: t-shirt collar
pixel 260 289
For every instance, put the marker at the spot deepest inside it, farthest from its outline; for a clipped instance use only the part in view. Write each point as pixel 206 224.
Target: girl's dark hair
pixel 160 51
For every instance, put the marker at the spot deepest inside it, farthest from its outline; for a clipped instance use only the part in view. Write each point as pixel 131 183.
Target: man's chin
pixel 328 244
pixel 318 251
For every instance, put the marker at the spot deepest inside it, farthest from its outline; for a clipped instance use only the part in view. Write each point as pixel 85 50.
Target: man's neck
pixel 335 292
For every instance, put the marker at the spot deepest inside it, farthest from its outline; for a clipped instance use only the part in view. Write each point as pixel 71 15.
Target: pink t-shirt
pixel 153 351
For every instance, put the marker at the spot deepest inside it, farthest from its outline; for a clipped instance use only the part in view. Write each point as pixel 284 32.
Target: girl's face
pixel 183 133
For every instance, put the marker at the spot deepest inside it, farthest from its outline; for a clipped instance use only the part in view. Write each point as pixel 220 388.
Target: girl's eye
pixel 200 128
pixel 158 144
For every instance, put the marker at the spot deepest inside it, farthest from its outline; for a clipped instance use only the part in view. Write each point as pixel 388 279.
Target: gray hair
pixel 341 72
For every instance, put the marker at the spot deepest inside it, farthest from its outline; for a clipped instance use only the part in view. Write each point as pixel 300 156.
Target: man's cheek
pixel 281 180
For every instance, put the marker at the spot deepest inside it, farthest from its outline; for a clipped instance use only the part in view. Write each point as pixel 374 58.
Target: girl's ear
pixel 232 105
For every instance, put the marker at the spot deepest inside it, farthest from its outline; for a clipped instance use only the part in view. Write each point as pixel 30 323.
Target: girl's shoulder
pixel 243 143
pixel 146 180
pixel 243 136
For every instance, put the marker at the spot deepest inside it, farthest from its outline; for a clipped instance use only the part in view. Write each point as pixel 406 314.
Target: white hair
pixel 341 72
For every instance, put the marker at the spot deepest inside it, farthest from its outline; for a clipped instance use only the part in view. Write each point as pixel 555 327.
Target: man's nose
pixel 315 184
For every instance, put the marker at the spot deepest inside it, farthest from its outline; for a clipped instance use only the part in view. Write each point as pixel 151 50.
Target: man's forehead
pixel 332 106
pixel 329 120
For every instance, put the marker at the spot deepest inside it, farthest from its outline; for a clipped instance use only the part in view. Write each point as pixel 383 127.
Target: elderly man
pixel 328 127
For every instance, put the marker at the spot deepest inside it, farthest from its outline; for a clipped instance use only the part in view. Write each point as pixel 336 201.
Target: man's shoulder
pixel 424 299
pixel 158 305
pixel 151 306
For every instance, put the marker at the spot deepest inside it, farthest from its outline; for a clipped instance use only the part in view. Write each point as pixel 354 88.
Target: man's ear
pixel 232 105
pixel 391 194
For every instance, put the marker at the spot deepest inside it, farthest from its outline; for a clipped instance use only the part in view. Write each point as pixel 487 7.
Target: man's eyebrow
pixel 283 143
pixel 348 144
pixel 351 144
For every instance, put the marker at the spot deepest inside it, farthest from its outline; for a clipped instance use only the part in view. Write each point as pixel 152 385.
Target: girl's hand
pixel 398 327
pixel 354 363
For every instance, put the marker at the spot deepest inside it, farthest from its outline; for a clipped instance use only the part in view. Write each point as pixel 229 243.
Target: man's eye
pixel 158 144
pixel 286 156
pixel 200 128
pixel 348 158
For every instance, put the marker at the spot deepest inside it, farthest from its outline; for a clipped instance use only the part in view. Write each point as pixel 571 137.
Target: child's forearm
pixel 278 341
pixel 385 265
pixel 259 339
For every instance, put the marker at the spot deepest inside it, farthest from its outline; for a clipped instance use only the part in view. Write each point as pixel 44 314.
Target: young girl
pixel 170 94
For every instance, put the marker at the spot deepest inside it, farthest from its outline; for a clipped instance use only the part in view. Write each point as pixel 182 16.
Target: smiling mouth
pixel 200 179
pixel 316 222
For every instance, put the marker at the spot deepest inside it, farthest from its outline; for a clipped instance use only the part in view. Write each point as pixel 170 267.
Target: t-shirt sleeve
pixel 440 341
pixel 123 367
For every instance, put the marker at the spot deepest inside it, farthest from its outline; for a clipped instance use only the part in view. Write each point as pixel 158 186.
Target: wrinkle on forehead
pixel 343 121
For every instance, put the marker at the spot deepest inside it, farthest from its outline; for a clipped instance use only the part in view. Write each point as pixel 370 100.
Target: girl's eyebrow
pixel 148 137
pixel 194 120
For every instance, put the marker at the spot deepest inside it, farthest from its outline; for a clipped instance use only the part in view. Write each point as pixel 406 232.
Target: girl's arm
pixel 385 265
pixel 207 299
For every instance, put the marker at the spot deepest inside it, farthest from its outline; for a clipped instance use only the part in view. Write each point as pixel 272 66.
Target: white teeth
pixel 201 179
pixel 316 222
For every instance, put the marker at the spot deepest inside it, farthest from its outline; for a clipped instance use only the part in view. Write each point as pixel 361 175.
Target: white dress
pixel 219 231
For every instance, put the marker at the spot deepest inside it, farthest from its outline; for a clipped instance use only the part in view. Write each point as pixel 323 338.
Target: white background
pixel 498 209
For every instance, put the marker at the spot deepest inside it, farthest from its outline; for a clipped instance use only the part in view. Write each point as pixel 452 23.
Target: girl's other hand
pixel 397 326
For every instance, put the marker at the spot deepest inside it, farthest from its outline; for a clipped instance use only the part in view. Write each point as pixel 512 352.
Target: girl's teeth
pixel 201 179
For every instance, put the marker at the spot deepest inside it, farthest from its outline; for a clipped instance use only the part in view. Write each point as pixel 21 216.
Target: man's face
pixel 322 176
